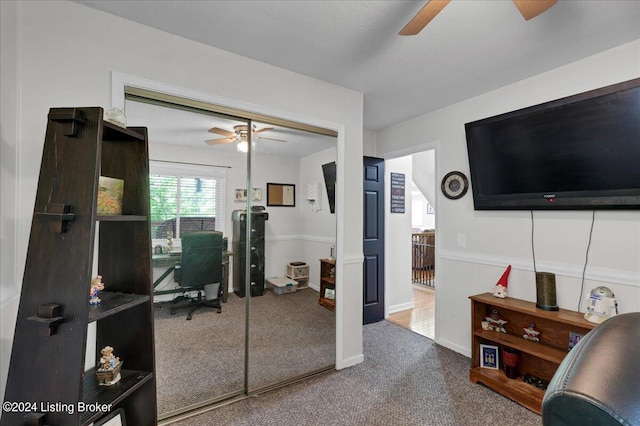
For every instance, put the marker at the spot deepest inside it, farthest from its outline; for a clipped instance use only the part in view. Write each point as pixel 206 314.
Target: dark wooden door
pixel 373 244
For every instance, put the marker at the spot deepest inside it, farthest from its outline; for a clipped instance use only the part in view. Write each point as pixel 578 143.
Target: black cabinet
pixel 239 244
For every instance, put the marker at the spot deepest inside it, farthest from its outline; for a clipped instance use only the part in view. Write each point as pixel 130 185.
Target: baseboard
pixel 400 307
pixel 350 362
pixel 454 347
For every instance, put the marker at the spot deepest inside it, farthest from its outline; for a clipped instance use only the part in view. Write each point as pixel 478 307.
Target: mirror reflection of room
pixel 199 204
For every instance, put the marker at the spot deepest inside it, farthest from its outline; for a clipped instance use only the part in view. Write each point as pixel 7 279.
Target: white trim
pixel 307 238
pixel 401 307
pixel 193 170
pixel 456 348
pixel 349 362
pixel 352 258
pixel 563 269
pixel 120 80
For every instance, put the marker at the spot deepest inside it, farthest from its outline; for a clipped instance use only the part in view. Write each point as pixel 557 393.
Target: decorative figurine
pixel 96 286
pixel 494 322
pixel 108 372
pixel 500 289
pixel 531 333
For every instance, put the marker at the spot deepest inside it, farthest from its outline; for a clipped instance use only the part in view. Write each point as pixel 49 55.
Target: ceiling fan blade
pixel 422 18
pixel 532 8
pixel 220 141
pixel 266 129
pixel 270 139
pixel 222 132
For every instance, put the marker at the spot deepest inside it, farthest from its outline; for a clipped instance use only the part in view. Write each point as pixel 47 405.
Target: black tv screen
pixel 580 152
pixel 329 171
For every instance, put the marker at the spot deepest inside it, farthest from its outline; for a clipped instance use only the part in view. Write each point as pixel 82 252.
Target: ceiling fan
pixel 528 8
pixel 239 136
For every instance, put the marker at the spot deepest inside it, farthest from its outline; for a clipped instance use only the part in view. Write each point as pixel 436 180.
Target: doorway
pixel 415 300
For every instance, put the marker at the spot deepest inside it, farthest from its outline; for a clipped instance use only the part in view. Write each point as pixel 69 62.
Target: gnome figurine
pixel 500 290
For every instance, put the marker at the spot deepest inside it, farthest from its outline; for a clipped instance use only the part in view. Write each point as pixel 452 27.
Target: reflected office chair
pixel 200 265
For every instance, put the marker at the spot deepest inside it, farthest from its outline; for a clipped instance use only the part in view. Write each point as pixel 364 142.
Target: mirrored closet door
pixel 208 170
pixel 290 334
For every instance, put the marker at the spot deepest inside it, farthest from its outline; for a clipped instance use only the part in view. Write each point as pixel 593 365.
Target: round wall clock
pixel 454 185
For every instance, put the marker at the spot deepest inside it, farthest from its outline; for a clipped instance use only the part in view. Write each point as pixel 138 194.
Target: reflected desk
pixel 170 260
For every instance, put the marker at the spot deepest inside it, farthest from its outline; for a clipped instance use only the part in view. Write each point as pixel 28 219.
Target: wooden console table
pixel 540 359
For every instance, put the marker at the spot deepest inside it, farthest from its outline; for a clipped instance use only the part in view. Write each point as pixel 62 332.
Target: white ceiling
pixel 178 127
pixel 471 47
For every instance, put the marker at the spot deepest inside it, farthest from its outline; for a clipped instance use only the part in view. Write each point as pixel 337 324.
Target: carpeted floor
pixel 290 335
pixel 406 379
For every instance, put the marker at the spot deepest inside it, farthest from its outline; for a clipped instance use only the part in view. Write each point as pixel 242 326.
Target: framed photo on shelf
pixel 489 357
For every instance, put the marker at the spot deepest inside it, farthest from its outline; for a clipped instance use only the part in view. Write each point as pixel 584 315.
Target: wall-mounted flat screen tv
pixel 329 171
pixel 581 152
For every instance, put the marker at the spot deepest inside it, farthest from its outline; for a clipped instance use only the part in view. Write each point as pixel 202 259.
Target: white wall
pixel 474 247
pixel 317 228
pixel 282 241
pixel 424 174
pixel 64 55
pixel 420 217
pixel 10 271
pixel 369 144
pixel 397 273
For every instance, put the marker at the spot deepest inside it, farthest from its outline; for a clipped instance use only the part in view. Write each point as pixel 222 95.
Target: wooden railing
pixel 423 267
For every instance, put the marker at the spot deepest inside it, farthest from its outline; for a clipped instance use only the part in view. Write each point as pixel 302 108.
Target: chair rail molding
pixel 592 273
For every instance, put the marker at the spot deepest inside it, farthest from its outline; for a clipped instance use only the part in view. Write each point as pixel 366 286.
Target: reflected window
pixel 185 198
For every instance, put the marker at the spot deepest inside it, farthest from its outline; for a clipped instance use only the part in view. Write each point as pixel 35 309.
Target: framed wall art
pixel 489 357
pixel 281 195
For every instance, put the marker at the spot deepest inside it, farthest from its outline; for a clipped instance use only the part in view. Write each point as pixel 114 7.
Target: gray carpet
pixel 406 379
pixel 290 335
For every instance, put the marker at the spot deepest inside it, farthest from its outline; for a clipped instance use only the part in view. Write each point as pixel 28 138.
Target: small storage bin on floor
pixel 282 285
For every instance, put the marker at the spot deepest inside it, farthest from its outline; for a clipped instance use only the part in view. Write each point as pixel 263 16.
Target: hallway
pixel 420 319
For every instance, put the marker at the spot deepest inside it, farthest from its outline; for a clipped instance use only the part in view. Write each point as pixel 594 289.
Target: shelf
pixel 328 303
pixel 113 132
pixel 327 282
pixel 96 394
pixel 50 347
pixel 122 218
pixel 112 303
pixel 539 358
pixel 563 315
pixel 515 389
pixel 533 348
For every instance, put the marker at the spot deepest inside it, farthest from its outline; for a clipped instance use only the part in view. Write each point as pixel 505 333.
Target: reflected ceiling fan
pixel 528 8
pixel 239 136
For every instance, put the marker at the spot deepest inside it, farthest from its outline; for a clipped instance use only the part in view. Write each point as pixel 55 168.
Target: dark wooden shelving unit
pixel 54 311
pixel 540 359
pixel 327 281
